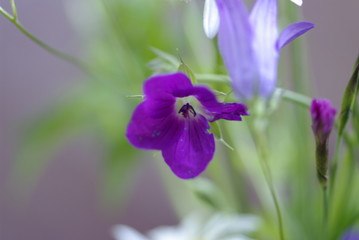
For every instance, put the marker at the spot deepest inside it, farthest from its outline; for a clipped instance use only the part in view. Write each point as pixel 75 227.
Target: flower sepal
pixel 188 71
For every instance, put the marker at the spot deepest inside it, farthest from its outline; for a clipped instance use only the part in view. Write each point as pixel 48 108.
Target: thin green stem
pixel 68 58
pixel 7 15
pixel 233 176
pixel 13 7
pixel 333 170
pixel 261 145
pixel 213 78
pixel 332 178
pixel 325 213
pixel 294 97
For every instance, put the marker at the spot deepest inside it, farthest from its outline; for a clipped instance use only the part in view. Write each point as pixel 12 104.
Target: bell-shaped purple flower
pixel 249 44
pixel 323 116
pixel 174 118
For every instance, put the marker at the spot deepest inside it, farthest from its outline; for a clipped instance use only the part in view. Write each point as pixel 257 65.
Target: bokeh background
pixel 69 197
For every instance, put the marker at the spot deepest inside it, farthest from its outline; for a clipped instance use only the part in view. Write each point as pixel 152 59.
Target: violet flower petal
pixel 228 111
pixel 323 116
pixel 205 96
pixel 235 44
pixel 292 32
pixel 147 132
pixel 192 152
pixel 159 90
pixel 263 19
pixel 231 112
pixel 214 109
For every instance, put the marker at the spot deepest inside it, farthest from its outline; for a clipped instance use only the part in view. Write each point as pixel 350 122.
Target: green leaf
pixel 356 118
pixel 166 56
pixel 209 193
pixel 349 98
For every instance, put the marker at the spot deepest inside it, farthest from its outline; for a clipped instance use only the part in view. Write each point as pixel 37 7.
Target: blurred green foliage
pixel 127 41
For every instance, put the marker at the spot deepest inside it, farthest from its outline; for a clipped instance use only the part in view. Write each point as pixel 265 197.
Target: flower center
pixel 186 110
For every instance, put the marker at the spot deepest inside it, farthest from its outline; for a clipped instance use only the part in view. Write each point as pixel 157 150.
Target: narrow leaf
pixel 207 192
pixel 349 98
pixel 166 56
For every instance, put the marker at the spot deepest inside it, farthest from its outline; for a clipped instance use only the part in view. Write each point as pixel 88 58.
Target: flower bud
pixel 323 115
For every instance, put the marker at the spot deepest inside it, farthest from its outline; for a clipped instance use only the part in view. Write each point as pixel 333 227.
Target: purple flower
pixel 211 17
pixel 250 45
pixel 323 116
pixel 174 118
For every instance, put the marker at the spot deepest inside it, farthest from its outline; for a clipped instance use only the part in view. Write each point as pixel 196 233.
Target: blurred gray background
pixel 65 203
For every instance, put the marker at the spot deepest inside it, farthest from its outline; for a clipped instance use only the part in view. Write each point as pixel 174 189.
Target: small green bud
pixel 323 116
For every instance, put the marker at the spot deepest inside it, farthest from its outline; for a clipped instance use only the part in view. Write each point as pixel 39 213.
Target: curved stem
pixel 68 58
pixel 261 145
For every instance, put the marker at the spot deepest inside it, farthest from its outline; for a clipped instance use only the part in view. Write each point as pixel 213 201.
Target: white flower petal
pixel 238 238
pixel 122 232
pixel 298 2
pixel 167 233
pixel 193 224
pixel 189 228
pixel 210 18
pixel 224 225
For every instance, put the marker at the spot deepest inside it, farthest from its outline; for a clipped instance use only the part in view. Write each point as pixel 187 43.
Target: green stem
pixel 261 145
pixel 13 7
pixel 213 78
pixel 333 170
pixel 234 175
pixel 294 97
pixel 325 213
pixel 68 58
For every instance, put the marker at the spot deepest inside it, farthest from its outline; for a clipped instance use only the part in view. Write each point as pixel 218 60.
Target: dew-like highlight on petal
pixel 298 2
